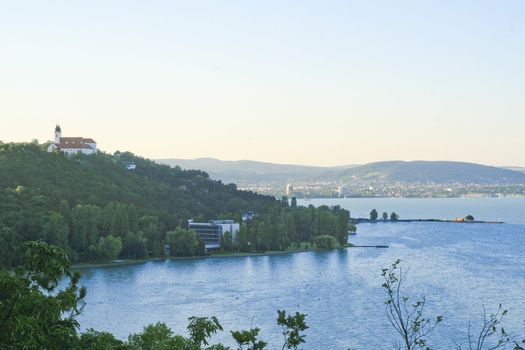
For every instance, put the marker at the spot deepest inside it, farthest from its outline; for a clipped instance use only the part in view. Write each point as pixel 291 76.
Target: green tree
pixel 183 242
pixel 292 326
pixel 108 248
pixel 157 337
pixel 343 226
pixel 57 230
pixel 134 245
pixel 326 242
pixel 94 340
pixel 469 218
pixel 394 216
pixel 227 243
pixel 385 216
pixel 294 203
pixel 373 215
pixel 248 338
pixel 242 239
pixel 9 247
pixel 492 335
pixel 85 220
pixel 33 313
pixel 406 317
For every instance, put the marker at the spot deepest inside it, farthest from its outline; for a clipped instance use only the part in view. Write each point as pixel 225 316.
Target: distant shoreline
pixel 365 220
pixel 307 199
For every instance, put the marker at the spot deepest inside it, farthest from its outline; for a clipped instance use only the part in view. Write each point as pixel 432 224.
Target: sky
pixel 305 82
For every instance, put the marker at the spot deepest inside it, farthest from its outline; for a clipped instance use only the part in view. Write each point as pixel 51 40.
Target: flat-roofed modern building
pixel 212 231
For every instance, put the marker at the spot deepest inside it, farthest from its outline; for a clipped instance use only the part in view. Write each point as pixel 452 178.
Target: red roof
pixel 74 142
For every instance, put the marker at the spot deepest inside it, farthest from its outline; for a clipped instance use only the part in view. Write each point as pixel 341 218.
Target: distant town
pixel 327 189
pixel 417 179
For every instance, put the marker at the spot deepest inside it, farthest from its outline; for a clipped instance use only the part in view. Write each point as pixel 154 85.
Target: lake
pixel 458 267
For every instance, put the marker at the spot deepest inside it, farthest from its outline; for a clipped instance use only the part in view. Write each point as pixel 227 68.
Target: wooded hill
pixel 73 201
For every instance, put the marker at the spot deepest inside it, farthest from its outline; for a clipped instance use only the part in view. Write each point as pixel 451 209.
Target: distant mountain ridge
pixel 439 172
pixel 240 171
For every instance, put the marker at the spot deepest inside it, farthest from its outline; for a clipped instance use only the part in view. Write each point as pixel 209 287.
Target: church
pixel 72 145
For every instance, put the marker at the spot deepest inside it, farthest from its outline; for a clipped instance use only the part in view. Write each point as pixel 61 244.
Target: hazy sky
pixel 311 82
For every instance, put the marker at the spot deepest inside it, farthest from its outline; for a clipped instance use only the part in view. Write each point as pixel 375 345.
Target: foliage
pixel 469 218
pixel 183 242
pixel 491 335
pixel 248 338
pixel 281 227
pixel 201 328
pixel 108 248
pixel 33 313
pixel 156 337
pixel 292 327
pixel 72 202
pixel 94 340
pixel 373 215
pixel 326 242
pixel 227 243
pixel 394 216
pixel 407 319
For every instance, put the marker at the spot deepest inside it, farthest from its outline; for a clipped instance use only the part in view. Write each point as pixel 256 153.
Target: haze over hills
pixel 515 168
pixel 243 171
pixel 388 178
pixel 439 172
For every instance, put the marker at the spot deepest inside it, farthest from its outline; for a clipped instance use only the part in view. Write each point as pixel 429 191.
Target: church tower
pixel 58 134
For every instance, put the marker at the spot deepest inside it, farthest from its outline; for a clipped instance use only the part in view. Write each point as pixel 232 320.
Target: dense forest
pixel 95 208
pixel 73 202
pixel 291 225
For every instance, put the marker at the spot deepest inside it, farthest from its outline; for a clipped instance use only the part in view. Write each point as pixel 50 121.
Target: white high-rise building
pixel 289 190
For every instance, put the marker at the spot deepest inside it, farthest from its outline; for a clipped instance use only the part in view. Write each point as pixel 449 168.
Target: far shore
pixel 126 262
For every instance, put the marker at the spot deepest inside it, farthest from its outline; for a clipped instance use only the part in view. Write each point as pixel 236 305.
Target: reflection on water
pixel 459 267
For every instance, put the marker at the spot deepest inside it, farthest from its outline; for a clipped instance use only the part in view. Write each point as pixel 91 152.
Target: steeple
pixel 58 134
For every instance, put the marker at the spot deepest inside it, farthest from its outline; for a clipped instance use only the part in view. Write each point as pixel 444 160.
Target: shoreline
pixel 128 262
pixel 365 220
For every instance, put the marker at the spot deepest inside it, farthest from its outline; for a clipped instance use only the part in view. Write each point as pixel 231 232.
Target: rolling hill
pixel 440 172
pixel 248 171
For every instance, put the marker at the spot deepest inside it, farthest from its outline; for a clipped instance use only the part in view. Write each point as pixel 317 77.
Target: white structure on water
pixel 72 145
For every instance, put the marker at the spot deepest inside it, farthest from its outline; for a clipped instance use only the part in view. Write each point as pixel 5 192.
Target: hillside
pixel 72 201
pixel 247 171
pixel 439 172
pixel 380 179
pixel 515 168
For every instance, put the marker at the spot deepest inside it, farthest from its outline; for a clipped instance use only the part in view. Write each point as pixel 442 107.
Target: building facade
pixel 72 145
pixel 212 231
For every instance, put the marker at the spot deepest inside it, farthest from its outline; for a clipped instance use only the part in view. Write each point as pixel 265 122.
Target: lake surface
pixel 459 267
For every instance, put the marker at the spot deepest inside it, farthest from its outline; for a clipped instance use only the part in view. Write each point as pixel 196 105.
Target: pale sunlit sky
pixel 308 82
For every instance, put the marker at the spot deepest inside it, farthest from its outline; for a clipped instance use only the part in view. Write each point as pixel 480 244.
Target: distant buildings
pixel 289 190
pixel 72 145
pixel 342 191
pixel 212 231
pixel 248 215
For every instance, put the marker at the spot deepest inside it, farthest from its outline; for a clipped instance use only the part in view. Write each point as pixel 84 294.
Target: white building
pixel 212 231
pixel 289 190
pixel 72 145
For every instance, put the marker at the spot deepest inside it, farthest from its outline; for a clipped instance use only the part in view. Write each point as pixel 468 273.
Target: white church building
pixel 72 145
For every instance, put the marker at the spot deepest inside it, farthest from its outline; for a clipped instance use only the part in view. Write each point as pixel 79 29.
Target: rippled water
pixel 459 268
